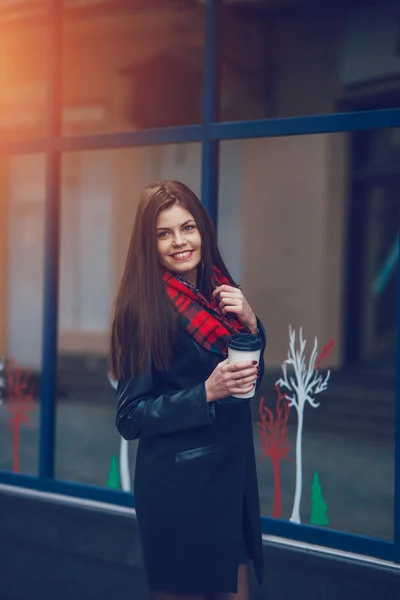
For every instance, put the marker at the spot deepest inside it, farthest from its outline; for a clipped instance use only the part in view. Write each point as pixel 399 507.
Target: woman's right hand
pixel 228 379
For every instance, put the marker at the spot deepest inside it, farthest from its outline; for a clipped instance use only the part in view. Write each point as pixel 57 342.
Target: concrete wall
pixel 52 549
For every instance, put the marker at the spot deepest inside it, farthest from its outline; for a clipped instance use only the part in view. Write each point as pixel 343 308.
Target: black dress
pixel 195 487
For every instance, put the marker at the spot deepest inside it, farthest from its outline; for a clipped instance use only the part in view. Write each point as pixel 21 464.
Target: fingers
pixel 242 389
pixel 223 364
pixel 224 288
pixel 234 294
pixel 231 298
pixel 231 302
pixel 241 383
pixel 239 366
pixel 232 378
pixel 244 376
pixel 239 375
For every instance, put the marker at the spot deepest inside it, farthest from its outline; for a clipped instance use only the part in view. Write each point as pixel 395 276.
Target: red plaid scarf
pixel 201 318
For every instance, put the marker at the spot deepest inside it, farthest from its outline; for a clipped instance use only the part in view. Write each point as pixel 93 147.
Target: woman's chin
pixel 184 269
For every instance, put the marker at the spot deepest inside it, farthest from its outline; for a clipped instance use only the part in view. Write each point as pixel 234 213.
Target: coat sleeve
pixel 141 413
pixel 263 336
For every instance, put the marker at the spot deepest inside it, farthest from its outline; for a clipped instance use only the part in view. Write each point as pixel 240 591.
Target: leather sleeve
pixel 263 336
pixel 141 413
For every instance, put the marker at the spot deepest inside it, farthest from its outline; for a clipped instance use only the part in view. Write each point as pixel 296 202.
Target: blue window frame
pixel 209 133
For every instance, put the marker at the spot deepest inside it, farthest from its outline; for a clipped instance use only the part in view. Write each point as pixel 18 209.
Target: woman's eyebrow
pixel 182 225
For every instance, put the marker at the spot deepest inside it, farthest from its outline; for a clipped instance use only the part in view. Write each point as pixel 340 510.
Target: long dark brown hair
pixel 144 321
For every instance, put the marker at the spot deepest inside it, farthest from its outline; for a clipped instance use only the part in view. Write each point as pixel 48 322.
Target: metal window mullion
pixel 210 178
pixel 397 429
pixel 306 125
pixel 51 243
pixel 210 147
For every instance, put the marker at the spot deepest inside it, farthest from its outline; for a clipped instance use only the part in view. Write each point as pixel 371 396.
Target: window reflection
pixel 100 191
pixel 126 67
pixel 286 59
pixel 313 242
pixel 22 69
pixel 22 186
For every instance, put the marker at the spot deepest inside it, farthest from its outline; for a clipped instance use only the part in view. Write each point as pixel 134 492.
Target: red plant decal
pixel 20 404
pixel 275 441
pixel 325 352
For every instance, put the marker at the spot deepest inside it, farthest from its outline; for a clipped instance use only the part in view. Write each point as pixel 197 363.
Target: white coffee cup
pixel 244 347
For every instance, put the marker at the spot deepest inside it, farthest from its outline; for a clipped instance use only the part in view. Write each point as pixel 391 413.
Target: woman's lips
pixel 182 256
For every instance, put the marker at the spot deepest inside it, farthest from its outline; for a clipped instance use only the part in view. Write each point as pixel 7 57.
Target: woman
pixel 195 487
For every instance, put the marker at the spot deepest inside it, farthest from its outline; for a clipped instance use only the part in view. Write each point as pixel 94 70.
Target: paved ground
pixel 356 474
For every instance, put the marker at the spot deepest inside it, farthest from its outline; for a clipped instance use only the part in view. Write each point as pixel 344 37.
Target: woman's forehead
pixel 173 216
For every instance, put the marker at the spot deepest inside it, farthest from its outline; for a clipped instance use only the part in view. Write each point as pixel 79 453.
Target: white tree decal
pixel 124 466
pixel 303 384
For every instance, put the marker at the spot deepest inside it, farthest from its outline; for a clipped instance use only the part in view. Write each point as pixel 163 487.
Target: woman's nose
pixel 179 240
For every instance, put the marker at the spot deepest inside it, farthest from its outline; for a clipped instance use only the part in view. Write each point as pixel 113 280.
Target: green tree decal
pixel 318 504
pixel 113 474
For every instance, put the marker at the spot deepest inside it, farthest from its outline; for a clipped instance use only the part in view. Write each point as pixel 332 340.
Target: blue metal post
pixel 52 218
pixel 210 148
pixel 397 430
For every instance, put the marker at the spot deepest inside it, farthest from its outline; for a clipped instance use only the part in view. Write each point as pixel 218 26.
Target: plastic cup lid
pixel 247 342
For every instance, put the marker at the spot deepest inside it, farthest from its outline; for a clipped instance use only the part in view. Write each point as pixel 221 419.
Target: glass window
pixel 313 241
pixel 22 185
pixel 100 191
pixel 22 69
pixel 126 67
pixel 287 59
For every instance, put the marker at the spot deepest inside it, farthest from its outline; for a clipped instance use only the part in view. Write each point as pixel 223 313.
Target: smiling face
pixel 179 242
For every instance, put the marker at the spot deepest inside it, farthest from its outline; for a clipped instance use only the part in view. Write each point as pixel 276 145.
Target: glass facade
pixel 285 119
pixel 22 181
pixel 283 231
pixel 99 193
pixel 306 58
pixel 125 69
pixel 23 77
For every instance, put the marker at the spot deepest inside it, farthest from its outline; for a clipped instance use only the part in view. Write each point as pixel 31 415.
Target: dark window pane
pixel 100 191
pixel 22 192
pixel 22 69
pixel 313 241
pixel 284 59
pixel 131 65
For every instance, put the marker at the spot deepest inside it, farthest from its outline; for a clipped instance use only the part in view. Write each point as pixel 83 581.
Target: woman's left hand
pixel 231 300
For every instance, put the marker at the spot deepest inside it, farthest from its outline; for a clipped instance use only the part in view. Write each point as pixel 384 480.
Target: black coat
pixel 195 487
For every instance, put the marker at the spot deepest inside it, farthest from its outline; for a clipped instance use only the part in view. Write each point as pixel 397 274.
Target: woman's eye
pixel 162 234
pixel 189 227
